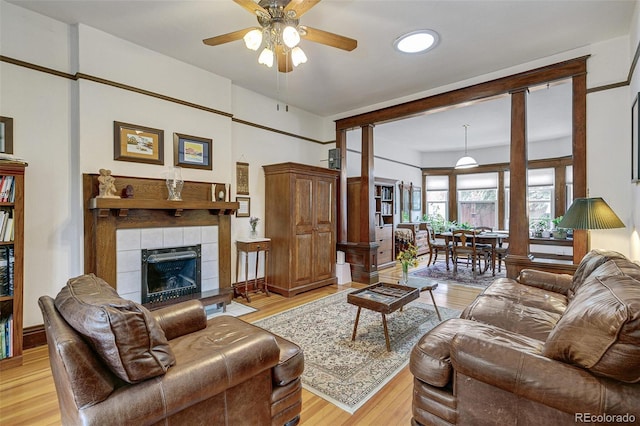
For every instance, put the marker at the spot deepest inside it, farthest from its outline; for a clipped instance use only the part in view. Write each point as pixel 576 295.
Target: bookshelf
pixel 11 262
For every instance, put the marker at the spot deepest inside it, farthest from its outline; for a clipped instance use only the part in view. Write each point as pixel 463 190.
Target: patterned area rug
pixel 464 275
pixel 348 373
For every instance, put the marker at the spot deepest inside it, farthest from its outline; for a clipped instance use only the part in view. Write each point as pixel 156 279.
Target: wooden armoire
pixel 300 219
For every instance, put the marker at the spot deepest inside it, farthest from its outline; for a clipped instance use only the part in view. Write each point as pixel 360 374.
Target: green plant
pixel 436 220
pixel 556 221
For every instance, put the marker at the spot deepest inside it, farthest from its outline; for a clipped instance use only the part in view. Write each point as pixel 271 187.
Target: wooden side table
pixel 250 246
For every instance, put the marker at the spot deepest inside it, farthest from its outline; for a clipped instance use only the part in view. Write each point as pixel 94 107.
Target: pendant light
pixel 466 162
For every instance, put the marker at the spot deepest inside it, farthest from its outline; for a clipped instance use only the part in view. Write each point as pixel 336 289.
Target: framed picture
pixel 242 178
pixel 192 152
pixel 6 135
pixel 635 152
pixel 416 198
pixel 244 208
pixel 137 143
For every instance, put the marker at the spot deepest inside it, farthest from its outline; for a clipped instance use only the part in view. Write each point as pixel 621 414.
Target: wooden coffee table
pixel 384 298
pixel 425 284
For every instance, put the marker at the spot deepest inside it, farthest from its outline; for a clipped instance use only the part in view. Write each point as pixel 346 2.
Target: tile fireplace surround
pixel 130 242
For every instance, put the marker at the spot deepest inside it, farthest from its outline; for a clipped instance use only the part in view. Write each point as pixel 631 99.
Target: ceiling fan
pixel 281 32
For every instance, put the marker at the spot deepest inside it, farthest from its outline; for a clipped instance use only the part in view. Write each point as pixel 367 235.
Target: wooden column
pixel 519 211
pixel 367 200
pixel 580 238
pixel 341 146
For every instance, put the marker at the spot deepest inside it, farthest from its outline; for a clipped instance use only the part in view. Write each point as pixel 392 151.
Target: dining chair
pixel 435 246
pixel 464 246
pixel 483 246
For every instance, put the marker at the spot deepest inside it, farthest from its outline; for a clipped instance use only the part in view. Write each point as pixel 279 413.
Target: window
pixel 437 196
pixel 478 199
pixel 540 196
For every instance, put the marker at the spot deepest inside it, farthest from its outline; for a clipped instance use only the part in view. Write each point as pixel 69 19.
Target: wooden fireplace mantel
pixel 121 206
pixel 149 208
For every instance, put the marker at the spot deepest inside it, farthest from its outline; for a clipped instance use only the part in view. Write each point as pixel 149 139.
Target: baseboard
pixel 33 336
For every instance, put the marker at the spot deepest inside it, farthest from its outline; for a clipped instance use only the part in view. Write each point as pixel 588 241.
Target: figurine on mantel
pixel 107 187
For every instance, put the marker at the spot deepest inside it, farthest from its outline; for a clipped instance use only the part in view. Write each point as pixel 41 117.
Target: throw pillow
pixel 600 329
pixel 122 332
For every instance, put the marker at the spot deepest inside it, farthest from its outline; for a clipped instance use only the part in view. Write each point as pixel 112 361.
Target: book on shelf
pixel 7 261
pixel 6 342
pixel 7 184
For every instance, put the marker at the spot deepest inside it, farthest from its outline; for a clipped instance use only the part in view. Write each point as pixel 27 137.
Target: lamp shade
pixel 466 162
pixel 590 213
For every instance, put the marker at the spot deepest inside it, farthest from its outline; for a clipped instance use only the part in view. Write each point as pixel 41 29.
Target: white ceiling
pixel 476 37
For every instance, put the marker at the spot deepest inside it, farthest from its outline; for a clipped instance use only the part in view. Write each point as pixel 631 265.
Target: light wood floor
pixel 28 395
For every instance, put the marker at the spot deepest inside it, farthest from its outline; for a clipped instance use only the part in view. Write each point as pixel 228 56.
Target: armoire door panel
pixel 324 202
pixel 303 271
pixel 324 255
pixel 303 207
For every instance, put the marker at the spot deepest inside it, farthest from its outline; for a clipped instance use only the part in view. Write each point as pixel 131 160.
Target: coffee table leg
pixel 386 332
pixel 434 305
pixel 355 326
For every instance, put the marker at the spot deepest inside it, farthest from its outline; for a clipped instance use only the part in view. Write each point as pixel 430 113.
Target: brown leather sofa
pixel 116 363
pixel 546 348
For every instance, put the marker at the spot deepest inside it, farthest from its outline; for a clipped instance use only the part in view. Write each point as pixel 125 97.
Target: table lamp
pixel 590 213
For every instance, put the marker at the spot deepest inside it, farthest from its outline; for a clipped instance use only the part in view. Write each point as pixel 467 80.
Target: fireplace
pixel 169 273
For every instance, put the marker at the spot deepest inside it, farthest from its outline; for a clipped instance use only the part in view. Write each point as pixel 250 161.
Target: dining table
pixel 494 239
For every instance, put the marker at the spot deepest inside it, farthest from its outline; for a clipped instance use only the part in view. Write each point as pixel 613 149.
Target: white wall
pixel 633 189
pixel 65 128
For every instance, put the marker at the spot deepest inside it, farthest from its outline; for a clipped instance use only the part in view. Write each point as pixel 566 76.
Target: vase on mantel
pixel 405 274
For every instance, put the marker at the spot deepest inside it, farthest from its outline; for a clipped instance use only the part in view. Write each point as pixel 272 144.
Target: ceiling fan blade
pixel 330 39
pixel 300 7
pixel 284 59
pixel 226 38
pixel 252 7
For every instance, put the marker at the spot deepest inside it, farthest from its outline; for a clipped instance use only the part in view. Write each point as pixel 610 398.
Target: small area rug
pixel 234 309
pixel 464 276
pixel 348 373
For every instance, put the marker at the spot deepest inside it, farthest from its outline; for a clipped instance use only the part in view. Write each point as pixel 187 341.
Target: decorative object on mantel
pixel 137 143
pixel 407 257
pixel 175 182
pixel 219 192
pixel 192 152
pixel 107 185
pixel 244 207
pixel 253 222
pixel 127 191
pixel 242 178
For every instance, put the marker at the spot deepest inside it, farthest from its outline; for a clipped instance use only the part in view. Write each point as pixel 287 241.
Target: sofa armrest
pixel 187 384
pixel 558 283
pixel 181 318
pixel 534 377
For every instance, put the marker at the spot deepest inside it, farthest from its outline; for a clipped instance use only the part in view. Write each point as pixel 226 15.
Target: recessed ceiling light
pixel 417 41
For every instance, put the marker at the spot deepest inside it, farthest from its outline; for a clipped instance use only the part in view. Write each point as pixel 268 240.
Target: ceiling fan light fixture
pixel 266 57
pixel 290 36
pixel 253 39
pixel 298 56
pixel 417 41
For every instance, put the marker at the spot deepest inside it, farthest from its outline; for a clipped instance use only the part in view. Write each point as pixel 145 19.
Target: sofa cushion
pixel 600 330
pixel 589 263
pixel 123 333
pixel 528 295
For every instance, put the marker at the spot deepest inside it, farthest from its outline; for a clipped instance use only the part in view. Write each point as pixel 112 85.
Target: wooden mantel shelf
pixel 123 205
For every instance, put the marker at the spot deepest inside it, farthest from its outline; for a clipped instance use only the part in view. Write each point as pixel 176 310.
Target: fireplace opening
pixel 170 272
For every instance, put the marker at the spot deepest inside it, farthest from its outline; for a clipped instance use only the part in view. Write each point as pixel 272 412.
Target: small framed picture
pixel 242 178
pixel 635 143
pixel 244 208
pixel 137 143
pixel 192 152
pixel 6 135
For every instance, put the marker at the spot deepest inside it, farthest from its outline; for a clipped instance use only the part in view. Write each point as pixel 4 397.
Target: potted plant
pixel 538 227
pixel 559 233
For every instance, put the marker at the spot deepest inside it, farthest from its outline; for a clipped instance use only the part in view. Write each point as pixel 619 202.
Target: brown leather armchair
pixel 116 363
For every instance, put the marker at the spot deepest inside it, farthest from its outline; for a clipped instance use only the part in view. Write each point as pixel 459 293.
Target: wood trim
pixel 34 336
pixel 78 76
pixel 476 92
